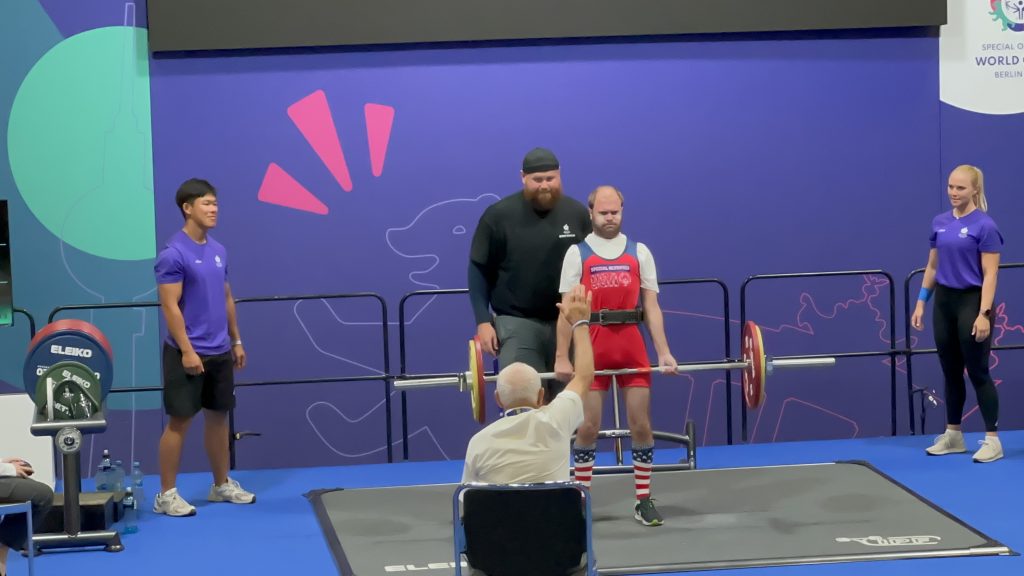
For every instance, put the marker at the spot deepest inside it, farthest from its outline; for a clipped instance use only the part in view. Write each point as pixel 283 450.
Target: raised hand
pixel 575 304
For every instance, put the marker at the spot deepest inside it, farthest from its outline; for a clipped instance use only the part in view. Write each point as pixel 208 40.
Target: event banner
pixel 982 56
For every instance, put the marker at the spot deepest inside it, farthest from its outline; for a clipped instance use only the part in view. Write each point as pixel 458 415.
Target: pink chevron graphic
pixel 280 188
pixel 379 119
pixel 312 116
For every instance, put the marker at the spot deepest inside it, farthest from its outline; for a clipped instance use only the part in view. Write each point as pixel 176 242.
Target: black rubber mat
pixel 725 518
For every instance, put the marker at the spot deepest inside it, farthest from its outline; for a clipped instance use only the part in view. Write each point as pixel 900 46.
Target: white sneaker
pixel 172 504
pixel 991 449
pixel 949 442
pixel 231 491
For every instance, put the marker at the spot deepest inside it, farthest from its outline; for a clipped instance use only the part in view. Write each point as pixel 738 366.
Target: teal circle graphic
pixel 80 143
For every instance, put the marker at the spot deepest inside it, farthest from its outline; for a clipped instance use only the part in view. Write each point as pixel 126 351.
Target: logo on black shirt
pixel 566 233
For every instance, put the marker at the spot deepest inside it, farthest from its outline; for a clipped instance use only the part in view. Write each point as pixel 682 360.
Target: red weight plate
pixel 755 374
pixel 73 324
pixel 477 386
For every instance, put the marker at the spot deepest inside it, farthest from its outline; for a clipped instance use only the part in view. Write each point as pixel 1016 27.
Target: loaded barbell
pixel 756 367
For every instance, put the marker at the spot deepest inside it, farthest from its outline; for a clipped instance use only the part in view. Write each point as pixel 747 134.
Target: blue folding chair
pixel 26 509
pixel 541 529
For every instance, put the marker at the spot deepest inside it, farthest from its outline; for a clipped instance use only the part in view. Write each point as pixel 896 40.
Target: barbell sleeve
pixel 801 362
pixel 437 382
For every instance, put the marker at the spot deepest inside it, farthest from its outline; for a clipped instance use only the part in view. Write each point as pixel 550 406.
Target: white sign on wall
pixel 981 55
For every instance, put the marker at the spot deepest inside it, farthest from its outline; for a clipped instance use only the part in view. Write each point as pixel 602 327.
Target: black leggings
pixel 954 314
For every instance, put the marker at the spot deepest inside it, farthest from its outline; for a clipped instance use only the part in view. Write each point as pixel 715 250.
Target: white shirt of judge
pixel 532 445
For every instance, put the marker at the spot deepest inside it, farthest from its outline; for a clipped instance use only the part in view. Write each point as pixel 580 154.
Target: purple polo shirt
pixel 960 242
pixel 202 270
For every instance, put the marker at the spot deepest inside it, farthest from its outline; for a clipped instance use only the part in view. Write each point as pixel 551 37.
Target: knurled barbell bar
pixel 756 367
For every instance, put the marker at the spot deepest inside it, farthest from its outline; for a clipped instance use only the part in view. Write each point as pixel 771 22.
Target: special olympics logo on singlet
pixel 610 276
pixel 610 280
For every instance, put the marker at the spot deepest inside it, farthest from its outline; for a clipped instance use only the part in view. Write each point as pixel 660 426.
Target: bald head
pixel 605 193
pixel 518 385
pixel 606 211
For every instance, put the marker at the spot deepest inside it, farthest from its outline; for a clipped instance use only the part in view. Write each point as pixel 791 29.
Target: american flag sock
pixel 583 457
pixel 643 462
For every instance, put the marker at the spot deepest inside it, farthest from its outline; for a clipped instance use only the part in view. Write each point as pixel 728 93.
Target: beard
pixel 608 231
pixel 544 200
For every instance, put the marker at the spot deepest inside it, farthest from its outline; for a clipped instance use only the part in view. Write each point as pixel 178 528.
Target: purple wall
pixel 737 156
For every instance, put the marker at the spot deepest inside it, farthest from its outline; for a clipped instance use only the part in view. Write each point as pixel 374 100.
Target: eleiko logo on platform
pixel 894 540
pixel 312 116
pixel 421 567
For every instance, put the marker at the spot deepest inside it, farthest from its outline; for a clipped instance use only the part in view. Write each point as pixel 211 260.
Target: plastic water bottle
pixel 119 476
pixel 103 479
pixel 136 485
pixel 131 513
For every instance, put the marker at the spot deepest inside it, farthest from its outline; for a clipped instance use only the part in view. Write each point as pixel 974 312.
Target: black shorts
pixel 185 395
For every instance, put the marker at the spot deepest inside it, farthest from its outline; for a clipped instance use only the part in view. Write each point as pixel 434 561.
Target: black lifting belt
pixel 606 316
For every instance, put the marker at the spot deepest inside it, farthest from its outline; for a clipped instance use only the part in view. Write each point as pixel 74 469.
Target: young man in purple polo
pixel 202 349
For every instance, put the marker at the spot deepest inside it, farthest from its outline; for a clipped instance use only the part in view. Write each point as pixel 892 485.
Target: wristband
pixel 925 294
pixel 237 342
pixel 579 323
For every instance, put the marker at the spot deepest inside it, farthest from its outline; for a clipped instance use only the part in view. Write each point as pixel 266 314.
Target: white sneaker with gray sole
pixel 949 442
pixel 991 450
pixel 172 504
pixel 231 491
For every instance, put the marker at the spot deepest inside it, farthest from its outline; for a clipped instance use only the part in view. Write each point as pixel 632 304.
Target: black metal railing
pixel 727 343
pixel 892 352
pixel 402 348
pixel 909 351
pixel 31 322
pixel 387 378
pixel 384 377
pixel 402 365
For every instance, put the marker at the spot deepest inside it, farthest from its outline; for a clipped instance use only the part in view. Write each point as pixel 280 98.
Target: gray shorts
pixel 531 342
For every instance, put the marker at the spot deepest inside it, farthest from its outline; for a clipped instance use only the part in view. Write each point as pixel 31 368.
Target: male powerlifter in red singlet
pixel 622 277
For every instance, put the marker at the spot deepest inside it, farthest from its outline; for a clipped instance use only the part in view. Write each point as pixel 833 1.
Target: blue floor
pixel 280 535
